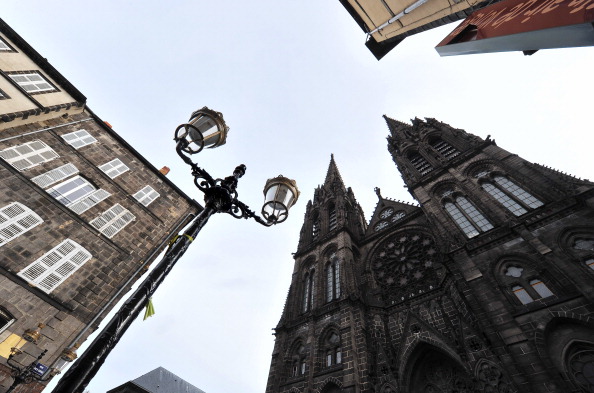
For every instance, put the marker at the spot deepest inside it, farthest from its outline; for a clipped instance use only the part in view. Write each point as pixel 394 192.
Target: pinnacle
pixel 333 174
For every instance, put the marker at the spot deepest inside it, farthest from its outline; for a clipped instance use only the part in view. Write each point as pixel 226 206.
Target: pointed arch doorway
pixel 430 370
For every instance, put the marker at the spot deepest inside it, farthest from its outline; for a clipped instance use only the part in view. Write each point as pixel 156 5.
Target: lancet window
pixel 333 279
pixel 331 348
pixel 420 163
pixel 308 291
pixel 525 287
pixel 465 214
pixel 513 197
pixel 444 148
pixel 331 217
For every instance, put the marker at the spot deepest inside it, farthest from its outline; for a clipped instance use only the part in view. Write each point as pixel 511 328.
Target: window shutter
pixel 146 196
pixel 89 201
pixel 55 266
pixel 113 220
pixel 16 219
pixel 114 168
pixel 28 155
pixel 32 82
pixel 55 175
pixel 78 139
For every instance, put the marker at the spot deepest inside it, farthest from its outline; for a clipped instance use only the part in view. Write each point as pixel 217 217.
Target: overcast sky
pixel 295 84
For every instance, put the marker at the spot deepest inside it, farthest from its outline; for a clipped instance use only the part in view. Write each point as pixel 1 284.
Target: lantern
pixel 280 193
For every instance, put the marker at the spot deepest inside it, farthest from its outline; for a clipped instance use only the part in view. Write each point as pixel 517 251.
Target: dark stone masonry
pixel 486 286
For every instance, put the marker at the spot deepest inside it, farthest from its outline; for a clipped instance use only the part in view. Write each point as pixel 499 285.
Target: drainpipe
pixel 393 19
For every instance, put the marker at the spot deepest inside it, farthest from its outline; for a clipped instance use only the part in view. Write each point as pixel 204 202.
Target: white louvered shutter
pixel 113 220
pixel 114 168
pixel 16 219
pixel 78 139
pixel 28 155
pixel 89 201
pixel 146 196
pixel 55 266
pixel 55 175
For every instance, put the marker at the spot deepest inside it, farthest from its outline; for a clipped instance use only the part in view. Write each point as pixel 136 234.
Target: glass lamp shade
pixel 206 128
pixel 280 193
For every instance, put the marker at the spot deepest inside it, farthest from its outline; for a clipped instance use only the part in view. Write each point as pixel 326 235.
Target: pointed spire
pixel 333 175
pixel 402 134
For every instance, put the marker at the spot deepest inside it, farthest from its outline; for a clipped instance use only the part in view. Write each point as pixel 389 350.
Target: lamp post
pixel 206 128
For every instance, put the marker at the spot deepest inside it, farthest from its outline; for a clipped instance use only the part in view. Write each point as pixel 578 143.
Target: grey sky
pixel 295 84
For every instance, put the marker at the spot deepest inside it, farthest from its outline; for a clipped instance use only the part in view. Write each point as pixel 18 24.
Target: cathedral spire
pixel 333 175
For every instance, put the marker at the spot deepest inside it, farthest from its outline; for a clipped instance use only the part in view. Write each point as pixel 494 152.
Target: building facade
pixel 82 214
pixel 486 286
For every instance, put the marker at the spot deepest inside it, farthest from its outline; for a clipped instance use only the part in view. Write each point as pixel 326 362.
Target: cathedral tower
pixel 486 286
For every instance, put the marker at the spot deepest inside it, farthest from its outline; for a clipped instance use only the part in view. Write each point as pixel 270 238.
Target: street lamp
pixel 206 128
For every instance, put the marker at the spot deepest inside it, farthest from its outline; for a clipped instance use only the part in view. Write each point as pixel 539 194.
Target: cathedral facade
pixel 485 286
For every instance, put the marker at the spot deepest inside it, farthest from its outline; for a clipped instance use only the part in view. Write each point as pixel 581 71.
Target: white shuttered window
pixel 146 196
pixel 79 139
pixel 55 175
pixel 113 220
pixel 114 168
pixel 16 219
pixel 55 266
pixel 28 155
pixel 32 82
pixel 77 194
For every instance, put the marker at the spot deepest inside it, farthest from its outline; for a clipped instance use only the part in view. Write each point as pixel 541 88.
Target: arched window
pixel 6 319
pixel 513 197
pixel 525 287
pixel 444 148
pixel 582 246
pixel 331 217
pixel 333 279
pixel 331 349
pixel 298 364
pixel 315 229
pixel 466 216
pixel 308 291
pixel 419 163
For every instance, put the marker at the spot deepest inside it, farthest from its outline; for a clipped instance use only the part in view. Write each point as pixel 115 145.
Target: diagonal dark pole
pixel 220 196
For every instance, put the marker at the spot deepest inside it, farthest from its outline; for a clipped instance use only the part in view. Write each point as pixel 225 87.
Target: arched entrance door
pixel 435 372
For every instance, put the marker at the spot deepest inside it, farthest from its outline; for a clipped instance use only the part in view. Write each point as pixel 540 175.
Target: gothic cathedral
pixel 486 286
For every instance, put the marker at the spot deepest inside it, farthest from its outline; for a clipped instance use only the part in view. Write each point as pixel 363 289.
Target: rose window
pixel 406 262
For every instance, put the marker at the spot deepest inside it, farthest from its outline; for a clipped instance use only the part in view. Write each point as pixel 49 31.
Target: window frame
pixel 9 48
pixel 477 224
pixel 27 74
pixel 6 315
pixel 308 291
pixel 332 279
pixel 522 286
pixel 501 193
pixel 65 197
